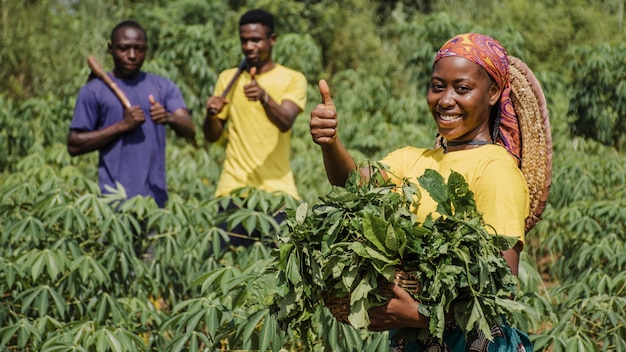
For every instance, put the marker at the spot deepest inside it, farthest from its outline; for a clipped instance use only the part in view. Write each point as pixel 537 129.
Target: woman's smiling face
pixel 460 97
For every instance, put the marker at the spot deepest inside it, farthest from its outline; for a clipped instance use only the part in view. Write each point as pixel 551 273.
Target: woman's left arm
pixel 512 256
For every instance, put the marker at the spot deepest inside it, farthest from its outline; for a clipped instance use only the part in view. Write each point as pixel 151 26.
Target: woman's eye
pixel 436 86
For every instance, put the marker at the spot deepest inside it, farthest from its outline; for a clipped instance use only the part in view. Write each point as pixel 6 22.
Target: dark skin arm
pixel 212 126
pixel 81 142
pixel 323 126
pixel 281 115
pixel 401 310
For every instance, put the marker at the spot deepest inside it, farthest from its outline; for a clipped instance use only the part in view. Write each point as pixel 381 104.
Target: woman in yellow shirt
pixel 469 98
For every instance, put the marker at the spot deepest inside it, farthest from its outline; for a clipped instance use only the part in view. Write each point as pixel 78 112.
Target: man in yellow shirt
pixel 259 111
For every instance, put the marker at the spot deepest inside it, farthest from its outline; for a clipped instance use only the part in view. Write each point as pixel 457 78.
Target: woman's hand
pixel 399 312
pixel 323 124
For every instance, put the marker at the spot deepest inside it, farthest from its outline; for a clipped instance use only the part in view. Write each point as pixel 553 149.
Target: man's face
pixel 128 50
pixel 256 44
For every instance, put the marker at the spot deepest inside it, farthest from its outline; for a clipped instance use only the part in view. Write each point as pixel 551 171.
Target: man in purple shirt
pixel 131 142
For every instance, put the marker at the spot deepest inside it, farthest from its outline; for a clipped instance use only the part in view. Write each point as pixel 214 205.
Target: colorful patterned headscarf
pixel 490 55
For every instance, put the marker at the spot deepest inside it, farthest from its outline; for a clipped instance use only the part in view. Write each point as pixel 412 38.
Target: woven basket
pixel 530 106
pixel 340 306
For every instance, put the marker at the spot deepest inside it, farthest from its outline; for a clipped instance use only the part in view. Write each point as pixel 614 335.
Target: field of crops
pixel 69 276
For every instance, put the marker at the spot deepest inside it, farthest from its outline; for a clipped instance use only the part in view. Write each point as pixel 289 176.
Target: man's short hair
pixel 258 16
pixel 127 24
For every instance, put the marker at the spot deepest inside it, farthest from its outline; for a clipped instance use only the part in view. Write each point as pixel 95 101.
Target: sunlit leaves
pixel 197 321
pixel 599 101
pixel 89 268
pixel 39 298
pixel 90 336
pixel 29 226
pixel 24 330
pixel 300 52
pixel 43 260
pixel 69 254
pixel 59 239
pixel 360 234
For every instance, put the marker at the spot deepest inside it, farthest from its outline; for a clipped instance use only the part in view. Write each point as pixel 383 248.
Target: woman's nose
pixel 447 99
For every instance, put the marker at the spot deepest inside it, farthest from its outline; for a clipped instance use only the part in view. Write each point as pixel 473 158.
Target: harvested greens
pixel 360 234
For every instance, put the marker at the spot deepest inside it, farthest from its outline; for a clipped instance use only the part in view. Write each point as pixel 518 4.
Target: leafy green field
pixel 69 276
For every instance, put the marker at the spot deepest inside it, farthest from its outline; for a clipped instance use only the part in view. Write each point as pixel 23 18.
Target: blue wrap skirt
pixel 505 339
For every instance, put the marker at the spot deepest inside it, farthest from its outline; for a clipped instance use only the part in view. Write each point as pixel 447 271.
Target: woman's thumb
pixel 325 92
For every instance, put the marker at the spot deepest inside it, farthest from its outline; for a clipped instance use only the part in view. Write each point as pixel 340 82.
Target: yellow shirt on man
pixel 258 153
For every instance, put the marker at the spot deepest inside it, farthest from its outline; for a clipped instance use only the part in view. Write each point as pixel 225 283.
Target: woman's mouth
pixel 447 117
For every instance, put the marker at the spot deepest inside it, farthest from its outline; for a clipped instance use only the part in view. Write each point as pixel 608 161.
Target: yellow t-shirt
pixel 258 153
pixel 499 187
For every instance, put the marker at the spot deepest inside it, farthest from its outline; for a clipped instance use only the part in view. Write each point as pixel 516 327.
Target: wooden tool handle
pixel 242 66
pixel 99 72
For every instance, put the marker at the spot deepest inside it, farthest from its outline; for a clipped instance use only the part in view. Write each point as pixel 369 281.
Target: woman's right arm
pixel 323 126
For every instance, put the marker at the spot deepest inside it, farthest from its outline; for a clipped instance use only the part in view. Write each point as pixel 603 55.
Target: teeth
pixel 448 117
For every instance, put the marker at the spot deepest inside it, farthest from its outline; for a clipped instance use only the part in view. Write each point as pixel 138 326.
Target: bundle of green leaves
pixel 354 240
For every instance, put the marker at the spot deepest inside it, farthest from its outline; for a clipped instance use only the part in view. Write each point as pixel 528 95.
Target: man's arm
pixel 182 124
pixel 213 126
pixel 282 115
pixel 81 142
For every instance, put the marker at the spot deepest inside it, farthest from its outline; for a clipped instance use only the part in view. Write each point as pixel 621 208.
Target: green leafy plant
pixel 353 242
pixel 599 94
pixel 572 270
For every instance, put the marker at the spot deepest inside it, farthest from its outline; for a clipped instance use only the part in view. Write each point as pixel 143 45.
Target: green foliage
pixel 38 52
pixel 70 278
pixel 37 122
pixel 71 275
pixel 599 94
pixel 352 242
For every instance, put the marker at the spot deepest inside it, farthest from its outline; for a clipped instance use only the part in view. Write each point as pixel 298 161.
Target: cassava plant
pixel 354 240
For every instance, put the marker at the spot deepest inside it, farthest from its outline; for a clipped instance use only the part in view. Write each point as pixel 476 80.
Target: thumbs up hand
pixel 157 111
pixel 323 123
pixel 253 91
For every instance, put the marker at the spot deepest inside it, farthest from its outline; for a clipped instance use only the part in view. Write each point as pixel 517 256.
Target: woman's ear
pixel 494 94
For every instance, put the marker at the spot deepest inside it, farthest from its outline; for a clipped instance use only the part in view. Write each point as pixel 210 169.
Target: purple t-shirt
pixel 137 158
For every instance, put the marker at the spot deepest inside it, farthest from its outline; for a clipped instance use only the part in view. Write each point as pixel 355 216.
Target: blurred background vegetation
pixel 377 57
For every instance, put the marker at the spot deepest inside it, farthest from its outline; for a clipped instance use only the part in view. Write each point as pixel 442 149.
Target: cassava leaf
pixel 461 196
pixel 363 233
pixel 374 229
pixel 435 185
